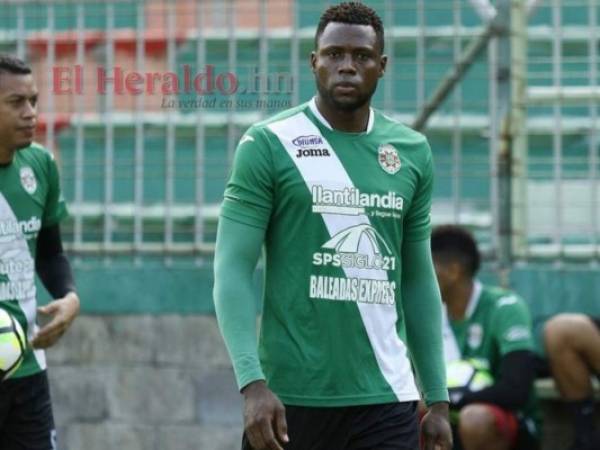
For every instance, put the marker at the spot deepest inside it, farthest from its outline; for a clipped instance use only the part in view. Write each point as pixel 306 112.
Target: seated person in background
pixel 492 326
pixel 572 344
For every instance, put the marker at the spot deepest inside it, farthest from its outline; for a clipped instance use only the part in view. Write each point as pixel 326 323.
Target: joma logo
pixel 304 152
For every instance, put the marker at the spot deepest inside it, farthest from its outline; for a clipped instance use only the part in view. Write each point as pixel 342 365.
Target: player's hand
pixel 436 433
pixel 264 418
pixel 63 311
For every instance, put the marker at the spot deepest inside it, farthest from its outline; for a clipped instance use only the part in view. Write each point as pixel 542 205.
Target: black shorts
pixel 390 426
pixel 26 421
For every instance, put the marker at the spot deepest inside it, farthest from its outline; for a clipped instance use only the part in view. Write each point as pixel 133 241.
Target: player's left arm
pixel 421 303
pixel 53 267
pixel 54 270
pixel 422 308
pixel 511 327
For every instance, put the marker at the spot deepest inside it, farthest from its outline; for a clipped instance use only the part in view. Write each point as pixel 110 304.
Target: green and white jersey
pixel 336 208
pixel 496 322
pixel 30 199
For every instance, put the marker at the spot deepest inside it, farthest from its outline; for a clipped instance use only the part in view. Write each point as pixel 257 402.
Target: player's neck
pixel 6 156
pixel 355 121
pixel 459 300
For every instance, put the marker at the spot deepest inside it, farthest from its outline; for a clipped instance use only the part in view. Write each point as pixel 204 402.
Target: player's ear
pixel 382 65
pixel 313 61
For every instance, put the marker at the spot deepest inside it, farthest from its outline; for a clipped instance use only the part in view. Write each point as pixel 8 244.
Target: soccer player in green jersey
pixel 31 207
pixel 340 195
pixel 492 326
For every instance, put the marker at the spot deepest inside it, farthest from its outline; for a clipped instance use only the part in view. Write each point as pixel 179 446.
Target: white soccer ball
pixel 466 376
pixel 12 344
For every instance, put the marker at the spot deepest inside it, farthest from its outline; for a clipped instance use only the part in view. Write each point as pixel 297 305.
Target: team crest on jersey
pixel 389 159
pixel 28 180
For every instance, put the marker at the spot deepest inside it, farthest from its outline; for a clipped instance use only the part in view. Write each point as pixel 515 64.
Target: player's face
pixel 18 111
pixel 347 65
pixel 445 272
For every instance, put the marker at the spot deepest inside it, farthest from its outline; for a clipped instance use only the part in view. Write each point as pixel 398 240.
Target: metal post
pixel 232 64
pixel 557 133
pixel 593 141
pixel 494 143
pixel 420 81
pixel 457 161
pixel 389 82
pixel 263 54
pixel 518 114
pixel 170 154
pixel 504 142
pixel 200 135
pixel 138 189
pixel 51 61
pixel 21 40
pixel 79 153
pixel 295 53
pixel 109 131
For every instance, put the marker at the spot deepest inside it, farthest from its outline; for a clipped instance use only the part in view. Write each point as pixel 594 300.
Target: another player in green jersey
pixel 31 207
pixel 340 195
pixel 493 326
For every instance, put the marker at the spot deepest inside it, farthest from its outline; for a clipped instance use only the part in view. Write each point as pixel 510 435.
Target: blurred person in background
pixel 340 194
pixel 572 343
pixel 31 207
pixel 493 327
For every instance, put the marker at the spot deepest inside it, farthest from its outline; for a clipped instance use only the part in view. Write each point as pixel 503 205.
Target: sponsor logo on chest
pixel 307 141
pixel 308 152
pixel 310 146
pixel 357 247
pixel 10 228
pixel 28 180
pixel 352 201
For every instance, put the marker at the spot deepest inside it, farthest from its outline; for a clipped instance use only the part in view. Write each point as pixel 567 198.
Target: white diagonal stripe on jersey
pixel 379 320
pixel 14 247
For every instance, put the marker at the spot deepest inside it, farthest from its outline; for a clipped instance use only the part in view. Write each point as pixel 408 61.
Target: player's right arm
pixel 244 217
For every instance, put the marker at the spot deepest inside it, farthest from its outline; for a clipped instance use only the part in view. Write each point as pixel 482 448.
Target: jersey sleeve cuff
pixel 245 379
pixel 436 396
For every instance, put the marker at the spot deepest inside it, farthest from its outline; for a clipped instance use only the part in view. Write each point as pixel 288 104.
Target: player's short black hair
pixel 353 13
pixel 13 65
pixel 456 243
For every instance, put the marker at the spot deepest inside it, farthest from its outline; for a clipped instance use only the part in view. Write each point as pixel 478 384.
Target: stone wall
pixel 164 382
pixel 161 382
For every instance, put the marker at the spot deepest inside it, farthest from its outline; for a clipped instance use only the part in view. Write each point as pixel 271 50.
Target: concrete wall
pixel 164 382
pixel 144 383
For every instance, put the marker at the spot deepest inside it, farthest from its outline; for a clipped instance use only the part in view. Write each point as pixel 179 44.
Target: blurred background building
pixel 506 92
